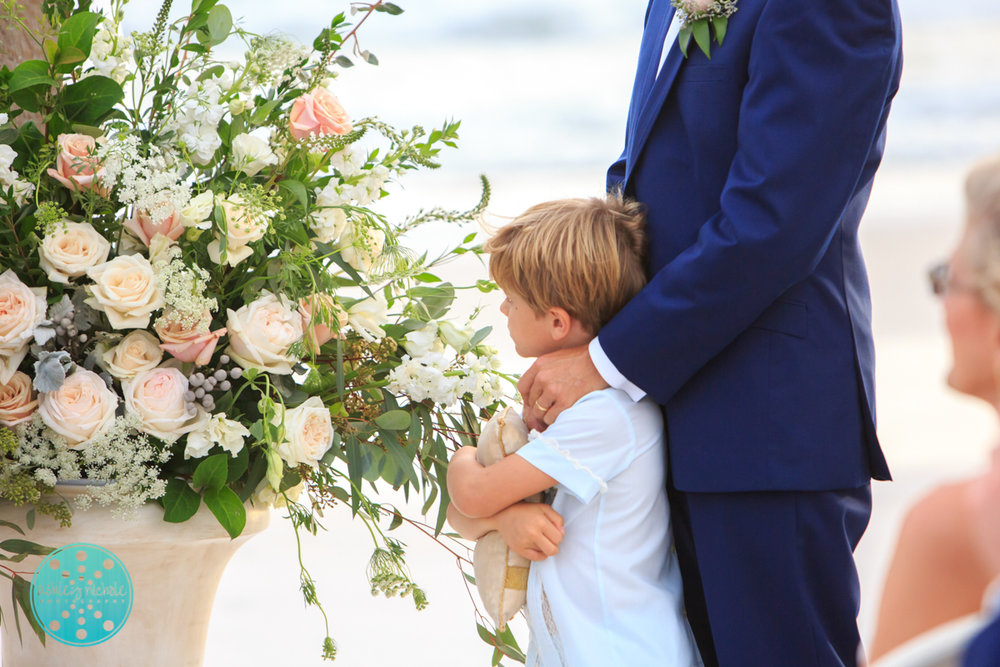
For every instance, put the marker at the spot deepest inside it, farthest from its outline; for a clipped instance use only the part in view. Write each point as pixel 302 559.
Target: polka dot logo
pixel 81 594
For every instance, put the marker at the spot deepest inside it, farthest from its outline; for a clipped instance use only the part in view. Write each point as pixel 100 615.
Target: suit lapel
pixel 644 110
pixel 657 21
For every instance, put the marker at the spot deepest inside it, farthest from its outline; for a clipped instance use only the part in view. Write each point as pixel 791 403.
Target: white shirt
pixel 612 595
pixel 601 361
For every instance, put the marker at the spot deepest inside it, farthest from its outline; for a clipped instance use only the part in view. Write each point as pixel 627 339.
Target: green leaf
pixel 394 420
pixel 29 519
pixel 426 277
pixel 702 36
pixel 220 23
pixel 199 6
pixel 343 61
pixel 180 502
pixel 720 23
pixel 297 190
pixel 212 472
pixel 78 31
pixel 8 524
pixel 355 469
pixel 684 40
pixel 21 594
pixel 228 509
pixel 69 56
pixel 238 465
pixel 16 546
pixel 480 336
pixel 89 100
pixel 389 8
pixel 29 84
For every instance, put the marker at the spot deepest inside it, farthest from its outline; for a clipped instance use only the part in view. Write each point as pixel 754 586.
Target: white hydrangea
pixel 111 54
pixel 10 178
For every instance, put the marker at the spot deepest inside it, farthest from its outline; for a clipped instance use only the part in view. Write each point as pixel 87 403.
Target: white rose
pixel 82 409
pixel 22 308
pixel 308 433
pixel 198 212
pixel 422 341
pixel 216 430
pixel 125 289
pixel 251 154
pixel 17 401
pixel 261 333
pixel 137 352
pixel 157 398
pixel 242 228
pixel 71 249
pixel 361 250
pixel 367 317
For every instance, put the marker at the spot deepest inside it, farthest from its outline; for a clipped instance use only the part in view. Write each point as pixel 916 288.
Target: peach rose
pixel 22 308
pixel 319 313
pixel 125 289
pixel 242 229
pixel 137 352
pixel 261 333
pixel 81 409
pixel 144 226
pixel 157 398
pixel 17 402
pixel 186 343
pixel 77 166
pixel 70 249
pixel 317 113
pixel 308 433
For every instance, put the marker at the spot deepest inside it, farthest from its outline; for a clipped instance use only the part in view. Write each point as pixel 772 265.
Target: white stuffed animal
pixel 501 574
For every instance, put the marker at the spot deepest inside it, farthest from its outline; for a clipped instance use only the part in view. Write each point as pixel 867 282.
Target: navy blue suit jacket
pixel 756 165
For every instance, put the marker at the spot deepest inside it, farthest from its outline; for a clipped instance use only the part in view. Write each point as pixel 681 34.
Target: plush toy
pixel 501 574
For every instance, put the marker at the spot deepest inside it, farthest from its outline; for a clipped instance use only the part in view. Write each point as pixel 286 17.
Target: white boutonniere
pixel 701 19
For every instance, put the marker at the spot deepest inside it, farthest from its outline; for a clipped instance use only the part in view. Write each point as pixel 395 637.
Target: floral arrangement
pixel 199 303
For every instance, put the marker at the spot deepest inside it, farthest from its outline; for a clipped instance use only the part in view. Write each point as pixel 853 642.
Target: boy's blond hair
pixel 587 256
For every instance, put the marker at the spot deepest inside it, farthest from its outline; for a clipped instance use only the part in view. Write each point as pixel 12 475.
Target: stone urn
pixel 174 571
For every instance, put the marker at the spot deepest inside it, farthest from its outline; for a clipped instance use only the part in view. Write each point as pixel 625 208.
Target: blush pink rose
pixel 187 343
pixel 157 398
pixel 322 320
pixel 17 401
pixel 318 113
pixel 145 226
pixel 77 166
pixel 81 409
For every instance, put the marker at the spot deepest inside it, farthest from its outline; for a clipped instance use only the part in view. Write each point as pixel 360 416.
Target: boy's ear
pixel 560 323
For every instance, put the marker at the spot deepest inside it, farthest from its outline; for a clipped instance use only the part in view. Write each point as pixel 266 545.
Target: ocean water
pixel 542 90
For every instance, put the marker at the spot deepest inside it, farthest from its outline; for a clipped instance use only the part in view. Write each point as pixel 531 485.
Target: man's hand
pixel 533 530
pixel 556 381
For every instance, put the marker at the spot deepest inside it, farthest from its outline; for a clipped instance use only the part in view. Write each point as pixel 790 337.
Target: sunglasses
pixel 942 281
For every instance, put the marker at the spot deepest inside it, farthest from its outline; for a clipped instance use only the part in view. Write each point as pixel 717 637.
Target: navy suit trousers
pixel 769 576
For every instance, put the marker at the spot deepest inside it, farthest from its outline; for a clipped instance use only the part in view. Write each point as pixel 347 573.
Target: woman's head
pixel 971 289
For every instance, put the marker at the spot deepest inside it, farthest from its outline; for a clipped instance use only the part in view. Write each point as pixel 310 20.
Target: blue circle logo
pixel 81 594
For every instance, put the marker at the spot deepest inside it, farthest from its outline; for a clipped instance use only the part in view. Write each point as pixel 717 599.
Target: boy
pixel 611 595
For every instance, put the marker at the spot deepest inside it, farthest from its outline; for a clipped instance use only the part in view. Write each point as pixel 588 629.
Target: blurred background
pixel 542 90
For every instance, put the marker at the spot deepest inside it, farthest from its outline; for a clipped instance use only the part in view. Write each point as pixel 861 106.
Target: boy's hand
pixel 556 381
pixel 533 530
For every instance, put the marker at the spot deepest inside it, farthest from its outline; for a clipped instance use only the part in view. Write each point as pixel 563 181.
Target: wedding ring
pixel 540 407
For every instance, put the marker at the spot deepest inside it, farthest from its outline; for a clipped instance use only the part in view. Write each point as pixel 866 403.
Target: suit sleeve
pixel 811 123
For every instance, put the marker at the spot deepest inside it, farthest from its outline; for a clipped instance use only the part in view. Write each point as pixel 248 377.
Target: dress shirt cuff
pixel 611 374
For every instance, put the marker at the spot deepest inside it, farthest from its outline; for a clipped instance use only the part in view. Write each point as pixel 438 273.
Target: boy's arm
pixel 478 491
pixel 533 530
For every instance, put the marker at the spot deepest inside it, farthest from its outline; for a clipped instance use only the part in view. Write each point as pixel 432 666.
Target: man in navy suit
pixel 754 332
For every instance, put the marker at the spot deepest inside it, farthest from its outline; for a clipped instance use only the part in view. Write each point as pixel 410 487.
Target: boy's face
pixel 531 332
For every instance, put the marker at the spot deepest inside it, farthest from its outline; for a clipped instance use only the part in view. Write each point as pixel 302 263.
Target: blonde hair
pixel 587 256
pixel 982 200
